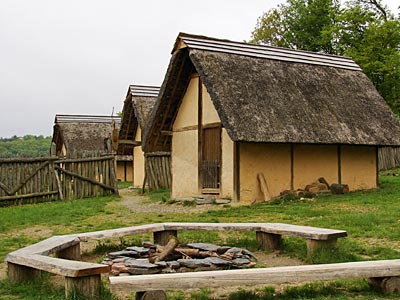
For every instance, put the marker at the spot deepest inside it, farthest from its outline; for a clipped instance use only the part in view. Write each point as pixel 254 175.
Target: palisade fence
pixel 32 180
pixel 157 170
pixel 389 158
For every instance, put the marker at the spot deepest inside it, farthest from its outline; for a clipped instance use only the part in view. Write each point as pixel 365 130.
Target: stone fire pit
pixel 151 258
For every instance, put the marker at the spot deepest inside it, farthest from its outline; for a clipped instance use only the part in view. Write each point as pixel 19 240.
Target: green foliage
pixel 379 56
pixel 63 217
pixel 340 289
pixel 189 203
pixel 124 184
pixel 40 289
pixel 158 195
pixel 363 30
pixel 43 289
pixel 26 146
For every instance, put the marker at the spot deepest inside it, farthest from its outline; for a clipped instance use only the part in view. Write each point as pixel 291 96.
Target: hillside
pixel 27 146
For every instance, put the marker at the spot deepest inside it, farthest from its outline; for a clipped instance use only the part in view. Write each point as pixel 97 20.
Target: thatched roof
pixel 138 104
pixel 275 95
pixel 83 133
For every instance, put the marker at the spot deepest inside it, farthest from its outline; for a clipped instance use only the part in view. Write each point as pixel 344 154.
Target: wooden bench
pixel 383 273
pixel 85 278
pixel 269 235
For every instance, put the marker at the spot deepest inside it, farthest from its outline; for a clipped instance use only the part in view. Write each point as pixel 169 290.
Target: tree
pixel 299 24
pixel 26 146
pixel 362 29
pixel 379 57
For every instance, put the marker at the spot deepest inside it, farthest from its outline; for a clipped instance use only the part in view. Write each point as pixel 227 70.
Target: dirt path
pixel 142 204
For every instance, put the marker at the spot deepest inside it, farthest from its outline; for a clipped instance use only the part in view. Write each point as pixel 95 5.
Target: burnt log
pixel 168 249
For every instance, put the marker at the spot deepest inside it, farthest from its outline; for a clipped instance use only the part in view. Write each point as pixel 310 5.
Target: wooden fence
pixel 158 170
pixel 389 158
pixel 31 180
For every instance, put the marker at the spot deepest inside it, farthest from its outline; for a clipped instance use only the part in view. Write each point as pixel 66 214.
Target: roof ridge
pixel 65 118
pixel 266 52
pixel 143 90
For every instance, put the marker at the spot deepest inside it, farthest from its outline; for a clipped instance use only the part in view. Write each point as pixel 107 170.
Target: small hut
pixel 248 121
pixel 79 134
pixel 138 105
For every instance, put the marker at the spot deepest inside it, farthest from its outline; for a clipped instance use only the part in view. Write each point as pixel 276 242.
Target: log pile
pixel 172 258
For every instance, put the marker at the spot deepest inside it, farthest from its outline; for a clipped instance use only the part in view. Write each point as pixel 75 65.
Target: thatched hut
pixel 247 121
pixel 138 105
pixel 82 134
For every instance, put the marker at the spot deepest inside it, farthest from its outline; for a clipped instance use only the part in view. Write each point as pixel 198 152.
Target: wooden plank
pixel 51 245
pixel 308 232
pixel 27 160
pixel 129 142
pixel 275 228
pixel 86 179
pixel 213 226
pixel 26 196
pixel 58 266
pixel 77 160
pixel 5 188
pixel 157 153
pixel 119 232
pixel 250 277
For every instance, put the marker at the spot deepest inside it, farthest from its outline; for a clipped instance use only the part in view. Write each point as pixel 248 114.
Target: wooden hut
pixel 137 107
pixel 78 134
pixel 248 121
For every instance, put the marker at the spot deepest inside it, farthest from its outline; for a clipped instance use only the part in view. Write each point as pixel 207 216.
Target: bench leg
pixel 19 273
pixel 268 241
pixel 71 253
pixel 162 237
pixel 88 286
pixel 151 295
pixel 313 245
pixel 385 284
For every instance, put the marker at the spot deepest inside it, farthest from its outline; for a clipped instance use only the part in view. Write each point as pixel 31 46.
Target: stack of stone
pixel 139 260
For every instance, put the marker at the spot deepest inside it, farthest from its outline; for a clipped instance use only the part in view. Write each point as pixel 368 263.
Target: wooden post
pixel 385 284
pixel 269 241
pixel 313 245
pixel 151 295
pixel 162 237
pixel 200 134
pixel 291 167
pixel 19 273
pixel 71 253
pixel 88 286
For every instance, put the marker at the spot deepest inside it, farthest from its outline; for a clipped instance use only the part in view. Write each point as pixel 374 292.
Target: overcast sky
pixel 79 56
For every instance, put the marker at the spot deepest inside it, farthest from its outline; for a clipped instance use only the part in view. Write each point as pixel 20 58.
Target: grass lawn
pixel 371 218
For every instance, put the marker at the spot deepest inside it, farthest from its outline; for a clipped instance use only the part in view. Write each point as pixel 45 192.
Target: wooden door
pixel 211 158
